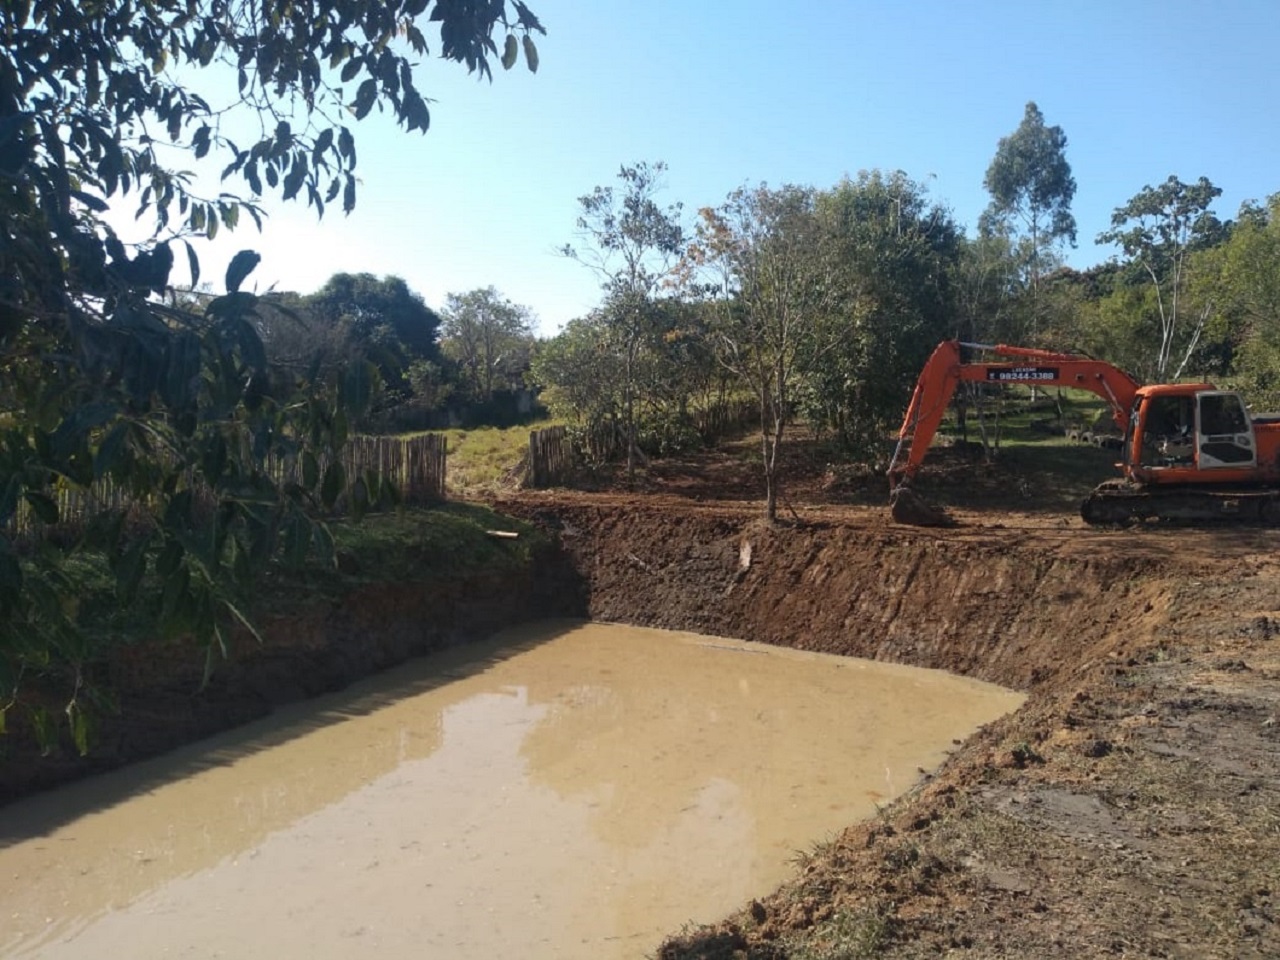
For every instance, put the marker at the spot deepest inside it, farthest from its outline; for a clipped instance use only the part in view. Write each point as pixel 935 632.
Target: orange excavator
pixel 1191 452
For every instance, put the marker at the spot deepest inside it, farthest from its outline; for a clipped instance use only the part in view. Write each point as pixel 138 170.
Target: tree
pixel 489 337
pixel 773 283
pixel 1240 277
pixel 893 259
pixel 1031 189
pixel 383 320
pixel 581 378
pixel 633 245
pixel 102 379
pixel 1157 229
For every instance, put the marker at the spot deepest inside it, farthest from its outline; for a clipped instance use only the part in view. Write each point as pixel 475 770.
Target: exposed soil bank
pixel 1131 808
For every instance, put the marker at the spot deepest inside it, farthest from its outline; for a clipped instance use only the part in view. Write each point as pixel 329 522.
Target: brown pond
pixel 566 790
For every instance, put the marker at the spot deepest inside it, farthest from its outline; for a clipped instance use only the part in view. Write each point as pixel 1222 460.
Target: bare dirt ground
pixel 1131 808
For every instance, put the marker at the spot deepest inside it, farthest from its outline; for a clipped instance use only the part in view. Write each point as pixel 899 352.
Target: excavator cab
pixel 1191 427
pixel 1168 431
pixel 1225 435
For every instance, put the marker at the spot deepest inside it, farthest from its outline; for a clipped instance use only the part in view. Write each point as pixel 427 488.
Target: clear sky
pixel 799 92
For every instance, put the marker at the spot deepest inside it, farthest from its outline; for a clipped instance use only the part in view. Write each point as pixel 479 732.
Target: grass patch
pixel 848 935
pixel 1035 466
pixel 481 461
pixel 414 545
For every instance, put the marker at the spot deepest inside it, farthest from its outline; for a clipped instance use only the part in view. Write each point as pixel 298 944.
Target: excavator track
pixel 1124 502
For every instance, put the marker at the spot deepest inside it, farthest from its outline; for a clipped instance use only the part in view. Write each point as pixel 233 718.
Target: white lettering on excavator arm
pixel 1022 374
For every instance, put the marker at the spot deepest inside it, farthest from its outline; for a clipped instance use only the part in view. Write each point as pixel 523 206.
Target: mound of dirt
pixel 907 508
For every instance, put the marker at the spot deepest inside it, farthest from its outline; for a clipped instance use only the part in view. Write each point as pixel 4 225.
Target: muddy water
pixel 567 790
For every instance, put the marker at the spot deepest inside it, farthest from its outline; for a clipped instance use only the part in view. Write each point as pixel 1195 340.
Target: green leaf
pixel 296 177
pixel 201 141
pixel 43 506
pixel 310 470
pixel 169 558
pixel 110 451
pixel 366 95
pixel 335 479
pixel 347 146
pixel 359 498
pixel 80 727
pixel 176 598
pixel 324 143
pixel 45 729
pixel 297 539
pixel 241 265
pixel 193 264
pixel 131 567
pixel 96 204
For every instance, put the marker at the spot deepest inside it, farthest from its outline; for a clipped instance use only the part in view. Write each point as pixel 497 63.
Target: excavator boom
pixel 946 369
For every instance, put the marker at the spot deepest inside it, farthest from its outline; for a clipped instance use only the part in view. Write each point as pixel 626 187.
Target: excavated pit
pixel 1128 808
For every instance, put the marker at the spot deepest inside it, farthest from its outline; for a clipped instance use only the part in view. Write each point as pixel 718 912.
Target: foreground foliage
pixel 224 461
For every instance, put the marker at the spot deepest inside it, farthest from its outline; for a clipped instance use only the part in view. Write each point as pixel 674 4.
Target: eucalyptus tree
pixel 633 245
pixel 98 109
pixel 1031 190
pixel 581 380
pixel 1158 229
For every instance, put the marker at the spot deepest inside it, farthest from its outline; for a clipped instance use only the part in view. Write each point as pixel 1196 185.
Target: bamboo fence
pixel 415 465
pixel 550 457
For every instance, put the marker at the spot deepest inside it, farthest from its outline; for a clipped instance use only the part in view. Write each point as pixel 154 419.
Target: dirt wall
pixel 1017 614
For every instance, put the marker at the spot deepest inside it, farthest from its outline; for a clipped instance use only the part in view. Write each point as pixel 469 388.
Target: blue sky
pixel 800 92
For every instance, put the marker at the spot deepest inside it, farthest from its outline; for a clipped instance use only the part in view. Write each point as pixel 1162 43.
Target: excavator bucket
pixel 909 509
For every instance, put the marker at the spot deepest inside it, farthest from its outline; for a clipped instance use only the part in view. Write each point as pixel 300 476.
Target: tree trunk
pixel 629 415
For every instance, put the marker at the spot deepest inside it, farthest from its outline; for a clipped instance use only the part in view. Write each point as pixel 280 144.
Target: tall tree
pixel 1241 278
pixel 893 262
pixel 102 378
pixel 383 320
pixel 633 245
pixel 488 336
pixel 1031 189
pixel 773 281
pixel 1157 230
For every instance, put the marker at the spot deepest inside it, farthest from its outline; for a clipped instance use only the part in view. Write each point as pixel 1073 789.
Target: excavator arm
pixel 1044 368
